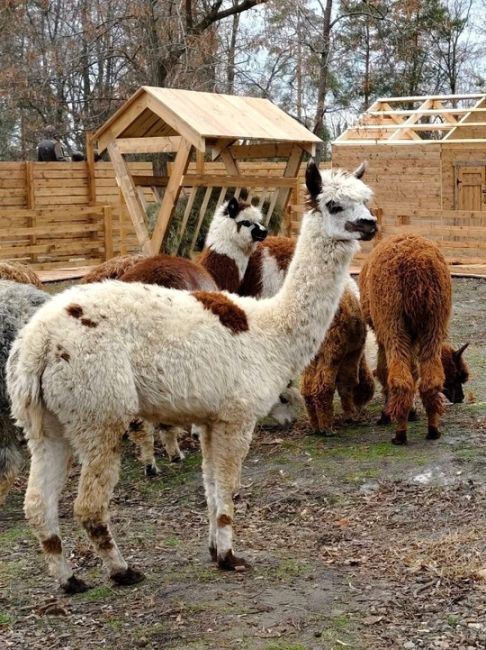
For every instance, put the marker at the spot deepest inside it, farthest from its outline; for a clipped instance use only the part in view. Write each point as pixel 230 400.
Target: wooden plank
pixel 185 217
pixel 149 144
pixel 90 168
pixel 216 180
pixel 171 195
pixel 132 201
pixel 291 171
pixel 202 212
pixel 186 130
pixel 108 231
pixel 120 120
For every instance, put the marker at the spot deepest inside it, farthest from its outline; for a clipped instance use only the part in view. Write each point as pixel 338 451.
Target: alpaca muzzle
pixel 366 227
pixel 259 233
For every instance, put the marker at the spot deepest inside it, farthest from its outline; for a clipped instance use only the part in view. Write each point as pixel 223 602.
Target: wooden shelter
pixel 188 123
pixel 427 167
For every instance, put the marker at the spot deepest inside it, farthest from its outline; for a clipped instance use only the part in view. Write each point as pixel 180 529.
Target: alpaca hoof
pixel 128 576
pixel 213 552
pixel 177 459
pixel 232 563
pixel 151 471
pixel 433 433
pixel 400 438
pixel 383 419
pixel 75 586
pixel 413 416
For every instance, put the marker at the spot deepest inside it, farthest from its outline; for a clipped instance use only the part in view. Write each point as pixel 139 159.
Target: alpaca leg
pixel 230 446
pixel 141 433
pixel 306 388
pixel 347 382
pixel 325 387
pixel 49 466
pixel 100 467
pixel 207 444
pixel 169 438
pixel 382 376
pixel 401 387
pixel 11 458
pixel 431 383
pixel 365 389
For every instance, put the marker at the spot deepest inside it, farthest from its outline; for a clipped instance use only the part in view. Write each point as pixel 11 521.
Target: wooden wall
pixel 414 186
pixel 52 200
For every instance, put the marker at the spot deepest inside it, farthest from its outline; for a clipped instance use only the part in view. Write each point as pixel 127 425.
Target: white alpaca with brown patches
pixel 233 234
pixel 137 350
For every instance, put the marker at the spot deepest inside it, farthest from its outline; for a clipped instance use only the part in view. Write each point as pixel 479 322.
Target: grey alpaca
pixel 17 304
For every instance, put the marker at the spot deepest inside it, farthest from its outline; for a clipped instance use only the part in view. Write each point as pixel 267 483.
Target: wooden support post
pixel 171 195
pixel 230 163
pixel 291 171
pixel 108 226
pixel 132 201
pixel 202 212
pixel 185 218
pixel 121 220
pixel 30 200
pixel 90 169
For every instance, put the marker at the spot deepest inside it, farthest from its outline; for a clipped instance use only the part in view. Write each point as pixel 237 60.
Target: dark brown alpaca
pixel 112 269
pixel 340 362
pixel 405 288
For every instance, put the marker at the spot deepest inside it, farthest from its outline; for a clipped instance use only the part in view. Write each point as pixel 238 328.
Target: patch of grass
pixel 453 621
pixel 171 541
pixel 95 594
pixel 13 534
pixel 285 646
pixel 291 568
pixel 12 569
pixel 6 619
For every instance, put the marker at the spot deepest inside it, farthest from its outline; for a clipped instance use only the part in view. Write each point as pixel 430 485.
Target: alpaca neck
pixel 304 307
pixel 230 250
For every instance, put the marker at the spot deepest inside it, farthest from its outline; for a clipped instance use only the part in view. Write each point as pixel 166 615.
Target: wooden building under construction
pixel 427 167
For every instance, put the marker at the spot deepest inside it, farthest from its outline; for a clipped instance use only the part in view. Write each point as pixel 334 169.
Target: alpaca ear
pixel 232 208
pixel 458 353
pixel 243 194
pixel 313 179
pixel 359 171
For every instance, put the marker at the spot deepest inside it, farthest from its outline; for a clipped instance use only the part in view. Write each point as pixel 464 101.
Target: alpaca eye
pixel 334 207
pixel 245 223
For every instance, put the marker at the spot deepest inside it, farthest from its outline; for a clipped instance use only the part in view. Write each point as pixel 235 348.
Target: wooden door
pixel 471 188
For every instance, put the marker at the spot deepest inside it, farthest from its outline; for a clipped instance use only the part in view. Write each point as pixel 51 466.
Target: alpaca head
pixel 456 373
pixel 341 198
pixel 236 224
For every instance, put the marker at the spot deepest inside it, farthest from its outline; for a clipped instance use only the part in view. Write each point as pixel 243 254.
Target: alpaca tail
pixel 25 367
pixel 11 458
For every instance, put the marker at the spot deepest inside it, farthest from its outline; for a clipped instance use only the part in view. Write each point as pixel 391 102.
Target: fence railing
pixel 48 238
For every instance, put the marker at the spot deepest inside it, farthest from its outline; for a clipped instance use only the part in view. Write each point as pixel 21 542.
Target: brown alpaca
pixel 171 272
pixel 111 269
pixel 340 362
pixel 405 290
pixel 19 273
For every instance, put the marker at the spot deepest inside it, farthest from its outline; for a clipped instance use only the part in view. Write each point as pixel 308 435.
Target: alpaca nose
pixel 259 233
pixel 367 227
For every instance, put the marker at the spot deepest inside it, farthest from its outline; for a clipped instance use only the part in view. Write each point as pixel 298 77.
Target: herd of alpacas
pixel 167 343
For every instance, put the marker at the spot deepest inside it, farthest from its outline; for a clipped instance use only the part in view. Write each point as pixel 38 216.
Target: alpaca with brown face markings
pixel 135 350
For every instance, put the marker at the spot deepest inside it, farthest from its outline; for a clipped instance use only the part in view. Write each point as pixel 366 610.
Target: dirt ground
pixel 354 543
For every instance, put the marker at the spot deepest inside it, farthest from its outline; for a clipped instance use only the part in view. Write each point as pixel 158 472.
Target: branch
pixel 214 15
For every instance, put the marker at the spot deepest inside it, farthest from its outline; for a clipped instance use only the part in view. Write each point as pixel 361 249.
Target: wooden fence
pixel 55 215
pixel 46 238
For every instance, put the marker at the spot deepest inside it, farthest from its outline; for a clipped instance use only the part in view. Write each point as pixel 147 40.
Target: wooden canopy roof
pixel 420 120
pixel 185 123
pixel 200 118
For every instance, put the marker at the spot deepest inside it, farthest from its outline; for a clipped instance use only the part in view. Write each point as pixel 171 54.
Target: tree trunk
pixel 319 124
